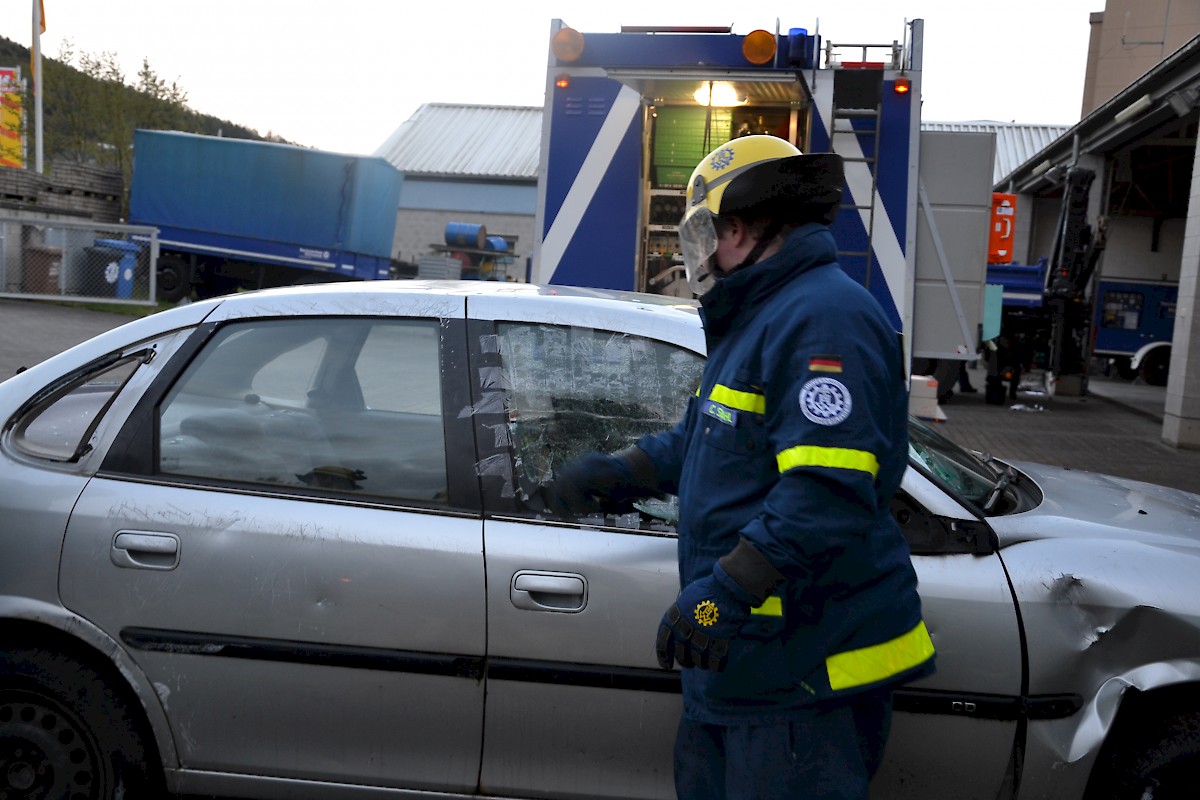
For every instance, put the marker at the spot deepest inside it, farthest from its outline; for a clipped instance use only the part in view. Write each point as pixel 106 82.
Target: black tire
pixel 65 734
pixel 1155 366
pixel 1164 764
pixel 1124 371
pixel 174 279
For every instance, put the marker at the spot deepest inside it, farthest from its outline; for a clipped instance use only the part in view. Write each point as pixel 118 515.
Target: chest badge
pixel 825 401
pixel 720 413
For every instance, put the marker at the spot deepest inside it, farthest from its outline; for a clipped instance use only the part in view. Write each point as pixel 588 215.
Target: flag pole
pixel 38 22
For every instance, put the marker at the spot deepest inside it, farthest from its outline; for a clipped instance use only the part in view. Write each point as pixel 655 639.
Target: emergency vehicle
pixel 628 115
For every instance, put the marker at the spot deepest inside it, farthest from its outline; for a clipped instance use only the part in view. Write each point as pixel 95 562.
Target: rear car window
pixel 350 406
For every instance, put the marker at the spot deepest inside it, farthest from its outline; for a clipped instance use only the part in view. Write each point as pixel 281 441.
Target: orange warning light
pixel 562 82
pixel 567 45
pixel 759 46
pixel 902 86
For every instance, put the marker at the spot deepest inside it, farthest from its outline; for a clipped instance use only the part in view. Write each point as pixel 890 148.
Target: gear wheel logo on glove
pixel 707 613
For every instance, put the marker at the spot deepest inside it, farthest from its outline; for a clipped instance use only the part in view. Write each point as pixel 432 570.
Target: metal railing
pixel 54 259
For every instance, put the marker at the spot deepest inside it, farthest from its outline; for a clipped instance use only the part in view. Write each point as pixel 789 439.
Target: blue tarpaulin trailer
pixel 235 213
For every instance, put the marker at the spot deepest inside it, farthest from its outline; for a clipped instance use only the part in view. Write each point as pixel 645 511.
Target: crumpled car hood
pixel 1092 505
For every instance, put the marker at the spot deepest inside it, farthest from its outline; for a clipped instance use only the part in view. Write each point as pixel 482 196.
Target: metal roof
pixel 467 141
pixel 502 142
pixel 1016 143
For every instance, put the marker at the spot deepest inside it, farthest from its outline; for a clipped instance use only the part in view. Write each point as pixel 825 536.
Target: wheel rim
pixel 168 281
pixel 45 752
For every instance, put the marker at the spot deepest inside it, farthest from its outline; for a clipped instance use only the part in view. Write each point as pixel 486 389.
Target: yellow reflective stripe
pixel 742 401
pixel 771 607
pixel 807 455
pixel 881 661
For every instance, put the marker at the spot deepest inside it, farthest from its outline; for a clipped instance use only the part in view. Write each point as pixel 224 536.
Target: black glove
pixel 710 611
pixel 599 482
pixel 696 630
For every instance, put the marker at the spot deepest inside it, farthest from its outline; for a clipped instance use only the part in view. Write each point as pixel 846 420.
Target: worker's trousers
pixel 827 752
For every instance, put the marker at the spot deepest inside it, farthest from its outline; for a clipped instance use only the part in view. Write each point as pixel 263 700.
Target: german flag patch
pixel 825 363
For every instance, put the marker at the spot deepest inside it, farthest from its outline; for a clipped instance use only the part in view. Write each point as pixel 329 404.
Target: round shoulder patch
pixel 825 401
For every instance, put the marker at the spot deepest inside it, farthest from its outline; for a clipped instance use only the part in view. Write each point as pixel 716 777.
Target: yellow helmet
pixel 766 174
pixel 755 177
pixel 716 171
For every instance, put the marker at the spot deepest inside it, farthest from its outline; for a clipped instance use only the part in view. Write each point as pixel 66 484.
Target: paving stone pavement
pixel 1113 430
pixel 1116 429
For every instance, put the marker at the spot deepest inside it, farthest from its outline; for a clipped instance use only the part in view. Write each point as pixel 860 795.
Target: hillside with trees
pixel 90 108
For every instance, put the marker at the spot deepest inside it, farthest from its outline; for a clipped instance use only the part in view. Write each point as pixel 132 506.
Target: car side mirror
pixel 929 534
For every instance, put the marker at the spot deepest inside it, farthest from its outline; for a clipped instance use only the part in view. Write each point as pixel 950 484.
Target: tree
pixel 91 110
pixel 97 111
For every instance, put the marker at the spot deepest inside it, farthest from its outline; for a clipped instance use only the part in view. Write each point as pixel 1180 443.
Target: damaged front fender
pixel 1099 617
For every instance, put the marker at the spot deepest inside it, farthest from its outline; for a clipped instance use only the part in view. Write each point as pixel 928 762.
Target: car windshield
pixel 970 476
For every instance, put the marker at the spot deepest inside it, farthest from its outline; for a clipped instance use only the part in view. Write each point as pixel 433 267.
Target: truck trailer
pixel 238 214
pixel 629 114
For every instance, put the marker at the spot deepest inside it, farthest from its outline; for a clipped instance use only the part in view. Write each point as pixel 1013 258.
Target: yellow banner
pixel 12 143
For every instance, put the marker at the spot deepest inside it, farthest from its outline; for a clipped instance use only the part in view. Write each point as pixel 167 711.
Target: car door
pixel 286 537
pixel 576 702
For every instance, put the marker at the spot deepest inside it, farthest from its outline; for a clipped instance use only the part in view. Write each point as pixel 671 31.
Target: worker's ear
pixel 736 229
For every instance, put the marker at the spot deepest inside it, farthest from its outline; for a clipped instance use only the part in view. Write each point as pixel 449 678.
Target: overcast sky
pixel 344 74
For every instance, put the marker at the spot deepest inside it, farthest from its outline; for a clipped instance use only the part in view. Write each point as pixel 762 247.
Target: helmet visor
pixel 698 243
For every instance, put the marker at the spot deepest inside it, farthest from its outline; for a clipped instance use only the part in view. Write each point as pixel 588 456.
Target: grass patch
pixel 122 309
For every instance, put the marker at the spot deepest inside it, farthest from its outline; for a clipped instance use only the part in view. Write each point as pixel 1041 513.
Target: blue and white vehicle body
pixel 601 183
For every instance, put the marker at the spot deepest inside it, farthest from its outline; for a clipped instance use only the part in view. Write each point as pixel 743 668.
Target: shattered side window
pixel 574 390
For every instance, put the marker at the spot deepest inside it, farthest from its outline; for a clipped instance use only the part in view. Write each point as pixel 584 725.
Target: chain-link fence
pixel 67 260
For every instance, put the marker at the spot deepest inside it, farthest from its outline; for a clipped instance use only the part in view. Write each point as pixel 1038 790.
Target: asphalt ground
pixel 1115 429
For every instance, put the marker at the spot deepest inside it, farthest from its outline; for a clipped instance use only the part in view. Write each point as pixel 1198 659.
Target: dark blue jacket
pixel 797 440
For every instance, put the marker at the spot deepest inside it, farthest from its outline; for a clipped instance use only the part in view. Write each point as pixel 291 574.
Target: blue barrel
pixel 497 243
pixel 465 234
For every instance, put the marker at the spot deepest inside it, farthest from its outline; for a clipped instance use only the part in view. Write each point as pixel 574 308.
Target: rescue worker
pixel 798 613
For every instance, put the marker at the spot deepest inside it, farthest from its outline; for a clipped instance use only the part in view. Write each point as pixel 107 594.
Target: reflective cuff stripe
pixel 806 455
pixel 881 661
pixel 742 401
pixel 771 607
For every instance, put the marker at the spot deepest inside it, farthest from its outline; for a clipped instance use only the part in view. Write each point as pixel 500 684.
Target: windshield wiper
pixel 984 456
pixel 1007 479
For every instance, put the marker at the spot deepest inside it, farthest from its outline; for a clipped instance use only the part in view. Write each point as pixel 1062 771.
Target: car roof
pixel 431 288
pixel 668 318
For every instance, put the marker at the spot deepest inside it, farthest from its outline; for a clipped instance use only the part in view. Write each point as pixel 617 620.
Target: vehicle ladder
pixel 857 117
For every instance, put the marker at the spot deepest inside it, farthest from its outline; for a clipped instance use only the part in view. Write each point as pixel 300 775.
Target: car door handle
pixel 548 591
pixel 145 550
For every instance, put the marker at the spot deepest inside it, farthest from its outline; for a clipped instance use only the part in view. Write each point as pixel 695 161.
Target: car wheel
pixel 1123 369
pixel 65 733
pixel 1155 366
pixel 1165 765
pixel 174 279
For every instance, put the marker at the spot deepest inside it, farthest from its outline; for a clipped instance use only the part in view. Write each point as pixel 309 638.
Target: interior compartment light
pixel 720 94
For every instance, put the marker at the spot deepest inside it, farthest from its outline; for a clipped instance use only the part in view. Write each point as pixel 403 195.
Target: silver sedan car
pixel 291 544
